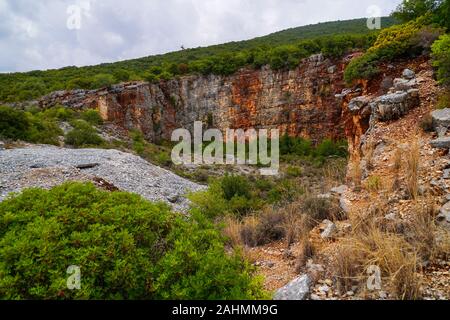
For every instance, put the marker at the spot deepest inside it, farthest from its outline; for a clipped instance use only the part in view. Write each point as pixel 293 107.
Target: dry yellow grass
pixel 412 173
pixel 397 159
pixel 355 173
pixel 389 252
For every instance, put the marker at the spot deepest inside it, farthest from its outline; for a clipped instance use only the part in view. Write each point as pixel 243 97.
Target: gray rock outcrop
pixel 47 166
pixel 298 289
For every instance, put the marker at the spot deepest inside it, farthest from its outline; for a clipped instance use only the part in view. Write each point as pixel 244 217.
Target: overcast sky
pixel 55 33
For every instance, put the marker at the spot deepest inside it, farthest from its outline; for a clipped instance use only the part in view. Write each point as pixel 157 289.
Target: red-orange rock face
pixel 300 102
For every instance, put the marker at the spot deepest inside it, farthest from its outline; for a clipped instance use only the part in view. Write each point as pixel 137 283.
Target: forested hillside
pixel 281 50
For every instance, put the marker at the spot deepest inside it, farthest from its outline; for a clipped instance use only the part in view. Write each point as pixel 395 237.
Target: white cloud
pixel 34 34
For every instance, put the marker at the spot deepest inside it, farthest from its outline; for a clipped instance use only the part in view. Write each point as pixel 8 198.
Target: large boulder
pixel 329 230
pixel 298 289
pixel 395 105
pixel 441 120
pixel 408 74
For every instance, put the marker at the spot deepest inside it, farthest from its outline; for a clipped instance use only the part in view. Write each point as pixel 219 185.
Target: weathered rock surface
pixel 441 143
pixel 441 120
pixel 408 74
pixel 46 167
pixel 298 289
pixel 395 105
pixel 329 230
pixel 300 102
pixel 339 190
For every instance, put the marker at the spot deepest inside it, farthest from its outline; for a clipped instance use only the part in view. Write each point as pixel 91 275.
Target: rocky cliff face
pixel 299 102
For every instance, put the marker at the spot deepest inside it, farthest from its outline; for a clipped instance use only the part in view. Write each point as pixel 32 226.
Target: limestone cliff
pixel 300 102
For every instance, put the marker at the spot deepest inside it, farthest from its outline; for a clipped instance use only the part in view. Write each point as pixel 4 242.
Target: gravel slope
pixel 48 166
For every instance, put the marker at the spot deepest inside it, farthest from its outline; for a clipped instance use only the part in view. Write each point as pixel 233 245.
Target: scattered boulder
pixel 332 69
pixel 339 190
pixel 441 143
pixel 403 84
pixel 317 59
pixel 443 217
pixel 298 289
pixel 408 74
pixel 344 205
pixel 329 230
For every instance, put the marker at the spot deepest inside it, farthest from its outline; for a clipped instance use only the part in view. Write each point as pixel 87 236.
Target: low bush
pixel 83 135
pixel 394 42
pixel 443 101
pixel 304 148
pixel 126 248
pixel 319 209
pixel 14 124
pixel 92 116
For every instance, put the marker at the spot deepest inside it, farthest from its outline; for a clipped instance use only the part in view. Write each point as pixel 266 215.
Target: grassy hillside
pixel 281 50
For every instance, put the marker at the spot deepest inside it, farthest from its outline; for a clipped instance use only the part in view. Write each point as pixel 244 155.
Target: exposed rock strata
pixel 300 102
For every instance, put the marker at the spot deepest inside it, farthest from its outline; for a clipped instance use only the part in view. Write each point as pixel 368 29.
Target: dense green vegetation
pixel 37 126
pixel 28 126
pixel 280 50
pixel 126 247
pixel 238 196
pixel 424 21
pixel 441 59
pixel 413 9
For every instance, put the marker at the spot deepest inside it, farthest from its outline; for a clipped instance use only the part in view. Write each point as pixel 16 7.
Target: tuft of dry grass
pixel 389 252
pixel 374 184
pixel 369 151
pixel 333 173
pixel 355 174
pixel 421 230
pixel 307 251
pixel 397 159
pixel 412 173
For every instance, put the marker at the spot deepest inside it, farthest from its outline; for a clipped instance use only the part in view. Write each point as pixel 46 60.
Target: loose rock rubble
pixel 46 167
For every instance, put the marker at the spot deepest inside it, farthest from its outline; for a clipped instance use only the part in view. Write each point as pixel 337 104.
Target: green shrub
pixel 83 135
pixel 92 116
pixel 412 9
pixel 103 80
pixel 14 124
pixel 441 59
pixel 329 148
pixel 443 101
pixel 126 247
pixel 228 195
pixel 393 42
pixel 36 128
pixel 235 186
pixel 293 171
pixel 43 130
pixel 59 112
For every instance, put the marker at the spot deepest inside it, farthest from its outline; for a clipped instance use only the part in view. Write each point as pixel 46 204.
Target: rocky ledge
pixel 47 166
